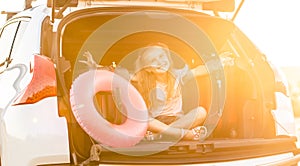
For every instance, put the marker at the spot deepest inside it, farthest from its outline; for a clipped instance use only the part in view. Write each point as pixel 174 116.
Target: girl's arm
pixel 195 72
pixel 199 71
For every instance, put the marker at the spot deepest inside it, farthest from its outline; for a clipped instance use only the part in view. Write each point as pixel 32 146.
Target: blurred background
pixel 273 25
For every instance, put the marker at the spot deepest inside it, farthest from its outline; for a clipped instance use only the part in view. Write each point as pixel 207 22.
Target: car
pixel 296 101
pixel 63 93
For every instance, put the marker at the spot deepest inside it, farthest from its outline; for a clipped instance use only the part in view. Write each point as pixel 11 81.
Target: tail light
pixel 42 84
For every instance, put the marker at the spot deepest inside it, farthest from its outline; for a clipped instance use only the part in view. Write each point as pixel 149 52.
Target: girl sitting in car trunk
pixel 160 86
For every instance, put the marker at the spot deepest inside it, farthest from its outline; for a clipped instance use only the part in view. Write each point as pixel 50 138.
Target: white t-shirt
pixel 171 106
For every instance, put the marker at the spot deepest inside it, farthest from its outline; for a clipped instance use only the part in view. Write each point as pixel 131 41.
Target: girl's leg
pixel 192 119
pixel 157 126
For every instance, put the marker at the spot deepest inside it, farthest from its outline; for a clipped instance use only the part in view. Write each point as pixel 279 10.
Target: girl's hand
pixel 227 59
pixel 90 62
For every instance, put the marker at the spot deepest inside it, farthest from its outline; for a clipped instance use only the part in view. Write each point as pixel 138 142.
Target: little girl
pixel 160 85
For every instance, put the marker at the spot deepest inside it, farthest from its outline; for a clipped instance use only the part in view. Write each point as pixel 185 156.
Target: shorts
pixel 167 119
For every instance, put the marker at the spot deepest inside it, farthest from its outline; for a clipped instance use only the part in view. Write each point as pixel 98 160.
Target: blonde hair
pixel 142 63
pixel 145 81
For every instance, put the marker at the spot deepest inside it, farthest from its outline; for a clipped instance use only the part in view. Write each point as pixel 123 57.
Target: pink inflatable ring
pixel 82 93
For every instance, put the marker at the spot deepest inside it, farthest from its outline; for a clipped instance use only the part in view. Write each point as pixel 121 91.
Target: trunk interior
pixel 246 125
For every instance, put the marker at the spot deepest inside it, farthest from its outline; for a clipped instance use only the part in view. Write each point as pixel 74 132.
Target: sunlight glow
pixel 273 26
pixel 12 5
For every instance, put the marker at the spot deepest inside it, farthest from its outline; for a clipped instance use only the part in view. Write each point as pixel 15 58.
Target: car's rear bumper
pixel 274 160
pixel 34 134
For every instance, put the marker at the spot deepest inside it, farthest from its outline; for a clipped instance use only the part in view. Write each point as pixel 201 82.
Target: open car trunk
pixel 244 127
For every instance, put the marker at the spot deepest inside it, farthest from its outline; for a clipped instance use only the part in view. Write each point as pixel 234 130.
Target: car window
pixel 10 38
pixel 6 41
pixel 18 37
